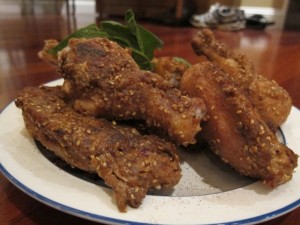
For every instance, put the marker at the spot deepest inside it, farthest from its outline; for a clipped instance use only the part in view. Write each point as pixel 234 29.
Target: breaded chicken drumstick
pixel 102 79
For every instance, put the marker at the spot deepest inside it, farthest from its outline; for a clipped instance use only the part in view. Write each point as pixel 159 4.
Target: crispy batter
pixel 272 101
pixel 103 80
pixel 234 130
pixel 129 163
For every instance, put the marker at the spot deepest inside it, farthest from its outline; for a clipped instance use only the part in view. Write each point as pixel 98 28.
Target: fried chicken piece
pixel 271 101
pixel 128 162
pixel 234 130
pixel 170 68
pixel 45 55
pixel 102 79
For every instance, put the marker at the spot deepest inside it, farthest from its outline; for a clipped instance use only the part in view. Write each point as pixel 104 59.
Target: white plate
pixel 209 192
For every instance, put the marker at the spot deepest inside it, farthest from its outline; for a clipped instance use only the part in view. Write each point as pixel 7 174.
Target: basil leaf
pixel 150 42
pixel 182 60
pixel 89 31
pixel 146 40
pixel 141 60
pixel 131 35
pixel 116 31
pixel 134 29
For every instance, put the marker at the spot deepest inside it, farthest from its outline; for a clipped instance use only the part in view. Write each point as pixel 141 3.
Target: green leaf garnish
pixel 89 31
pixel 182 60
pixel 131 35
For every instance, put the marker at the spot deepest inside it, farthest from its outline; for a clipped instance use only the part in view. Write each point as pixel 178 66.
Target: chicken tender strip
pixel 271 101
pixel 128 162
pixel 103 80
pixel 234 130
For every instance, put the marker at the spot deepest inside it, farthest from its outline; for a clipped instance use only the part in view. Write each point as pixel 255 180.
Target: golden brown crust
pixel 234 130
pixel 271 101
pixel 129 163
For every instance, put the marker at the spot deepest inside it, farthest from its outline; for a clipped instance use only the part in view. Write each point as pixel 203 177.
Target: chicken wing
pixel 128 162
pixel 271 101
pixel 233 128
pixel 102 79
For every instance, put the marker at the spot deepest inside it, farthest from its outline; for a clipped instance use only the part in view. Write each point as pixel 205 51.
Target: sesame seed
pixel 158 187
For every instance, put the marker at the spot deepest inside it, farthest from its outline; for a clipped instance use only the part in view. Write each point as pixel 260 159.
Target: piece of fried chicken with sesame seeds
pixel 102 79
pixel 233 128
pixel 128 162
pixel 271 101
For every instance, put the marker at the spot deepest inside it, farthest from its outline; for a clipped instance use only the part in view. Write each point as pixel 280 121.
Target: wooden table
pixel 275 54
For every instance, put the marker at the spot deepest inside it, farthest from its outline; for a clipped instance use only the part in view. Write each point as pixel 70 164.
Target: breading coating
pixel 271 101
pixel 102 79
pixel 233 128
pixel 128 162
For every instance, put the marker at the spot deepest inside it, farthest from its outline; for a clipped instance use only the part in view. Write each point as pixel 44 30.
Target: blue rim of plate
pixel 102 218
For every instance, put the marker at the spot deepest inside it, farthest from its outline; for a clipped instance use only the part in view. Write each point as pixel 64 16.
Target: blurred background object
pixel 222 17
pixel 273 10
pixel 47 7
pixel 292 20
pixel 284 13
